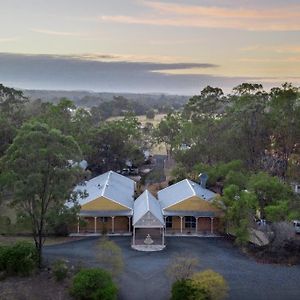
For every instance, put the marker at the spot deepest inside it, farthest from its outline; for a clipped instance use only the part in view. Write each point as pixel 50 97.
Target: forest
pixel 248 142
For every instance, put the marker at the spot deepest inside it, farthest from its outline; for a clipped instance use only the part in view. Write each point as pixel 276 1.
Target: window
pixel 190 222
pixel 169 222
pixel 104 219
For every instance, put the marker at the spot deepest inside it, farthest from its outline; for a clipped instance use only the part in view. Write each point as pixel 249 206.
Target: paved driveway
pixel 144 276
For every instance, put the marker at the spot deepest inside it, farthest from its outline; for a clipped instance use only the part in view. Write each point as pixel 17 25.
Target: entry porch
pixel 102 223
pixel 191 224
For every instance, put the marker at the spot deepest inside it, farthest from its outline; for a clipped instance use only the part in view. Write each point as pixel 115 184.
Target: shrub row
pixel 19 259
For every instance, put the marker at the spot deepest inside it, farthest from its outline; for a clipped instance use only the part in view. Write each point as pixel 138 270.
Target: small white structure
pixel 148 224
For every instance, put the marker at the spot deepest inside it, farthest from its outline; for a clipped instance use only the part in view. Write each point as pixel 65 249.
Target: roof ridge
pixel 191 186
pixel 106 183
pixel 147 199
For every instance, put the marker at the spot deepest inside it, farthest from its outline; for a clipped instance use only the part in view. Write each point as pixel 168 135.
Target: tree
pixel 240 209
pixel 115 142
pixel 182 266
pixel 12 115
pixel 269 191
pixel 209 104
pixel 168 131
pixel 247 116
pixel 42 179
pixel 150 114
pixel 109 255
pixel 285 121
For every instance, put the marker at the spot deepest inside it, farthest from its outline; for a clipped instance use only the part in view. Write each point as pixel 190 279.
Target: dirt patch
pixel 37 287
pixel 287 254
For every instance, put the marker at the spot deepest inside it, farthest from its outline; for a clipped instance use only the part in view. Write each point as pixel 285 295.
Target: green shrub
pixel 93 284
pixel 4 224
pixel 183 289
pixel 19 259
pixel 3 255
pixel 60 270
pixel 212 283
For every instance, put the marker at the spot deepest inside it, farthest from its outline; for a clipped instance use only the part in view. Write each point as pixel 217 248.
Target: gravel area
pixel 144 275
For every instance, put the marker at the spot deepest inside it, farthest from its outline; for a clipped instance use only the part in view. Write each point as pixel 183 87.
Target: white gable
pixel 147 211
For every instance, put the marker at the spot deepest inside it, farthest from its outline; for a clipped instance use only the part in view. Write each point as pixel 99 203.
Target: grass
pixel 143 120
pixel 8 240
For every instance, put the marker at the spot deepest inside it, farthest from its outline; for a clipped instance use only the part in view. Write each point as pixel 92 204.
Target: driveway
pixel 144 275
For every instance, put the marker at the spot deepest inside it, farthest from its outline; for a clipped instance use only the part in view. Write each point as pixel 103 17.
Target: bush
pixel 150 114
pixel 183 289
pixel 93 284
pixel 19 259
pixel 109 255
pixel 4 224
pixel 212 283
pixel 60 270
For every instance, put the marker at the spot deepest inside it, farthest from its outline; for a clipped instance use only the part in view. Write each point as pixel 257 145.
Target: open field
pixel 143 120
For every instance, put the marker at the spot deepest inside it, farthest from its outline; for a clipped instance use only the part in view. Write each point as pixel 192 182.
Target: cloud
pixel 74 73
pixel 284 49
pixel 8 40
pixel 57 33
pixel 285 18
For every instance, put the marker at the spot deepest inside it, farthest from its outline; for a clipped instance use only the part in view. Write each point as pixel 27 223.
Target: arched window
pixel 169 222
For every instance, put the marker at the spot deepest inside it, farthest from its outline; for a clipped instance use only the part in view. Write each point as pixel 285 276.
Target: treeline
pixel 107 105
pixel 105 145
pixel 249 144
pixel 262 129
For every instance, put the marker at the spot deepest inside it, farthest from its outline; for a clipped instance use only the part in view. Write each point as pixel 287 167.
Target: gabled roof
pixel 145 203
pixel 111 185
pixel 181 191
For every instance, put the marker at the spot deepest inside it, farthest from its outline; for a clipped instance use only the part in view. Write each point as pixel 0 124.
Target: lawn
pixel 8 240
pixel 143 120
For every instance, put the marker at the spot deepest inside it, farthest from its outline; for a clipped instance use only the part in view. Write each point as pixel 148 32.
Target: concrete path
pixel 144 276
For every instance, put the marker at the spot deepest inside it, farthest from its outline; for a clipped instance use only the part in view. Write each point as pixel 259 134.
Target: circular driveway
pixel 144 274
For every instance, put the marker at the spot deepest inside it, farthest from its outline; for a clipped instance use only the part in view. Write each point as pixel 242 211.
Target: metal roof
pixel 110 185
pixel 181 191
pixel 145 203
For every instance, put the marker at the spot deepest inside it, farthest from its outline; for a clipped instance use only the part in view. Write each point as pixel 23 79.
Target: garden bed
pixel 288 253
pixel 39 286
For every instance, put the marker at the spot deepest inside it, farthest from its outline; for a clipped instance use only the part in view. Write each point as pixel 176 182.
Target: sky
pixel 148 46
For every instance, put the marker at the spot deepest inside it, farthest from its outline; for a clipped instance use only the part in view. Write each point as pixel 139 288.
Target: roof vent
pixel 203 177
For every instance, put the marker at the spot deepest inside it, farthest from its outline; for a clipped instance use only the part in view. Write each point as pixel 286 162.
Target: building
pixel 148 222
pixel 187 209
pixel 106 204
pixel 108 207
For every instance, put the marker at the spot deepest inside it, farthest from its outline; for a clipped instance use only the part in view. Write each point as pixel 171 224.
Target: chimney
pixel 203 177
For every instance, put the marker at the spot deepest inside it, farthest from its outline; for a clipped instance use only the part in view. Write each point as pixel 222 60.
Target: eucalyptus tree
pixel 168 132
pixel 115 142
pixel 247 115
pixel 12 115
pixel 285 120
pixel 41 177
